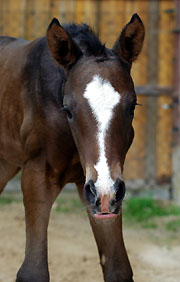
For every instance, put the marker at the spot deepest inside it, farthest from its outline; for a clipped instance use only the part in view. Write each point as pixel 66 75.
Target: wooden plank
pixel 152 74
pixel 79 11
pixel 91 14
pixel 62 10
pixel 37 18
pixel 165 78
pixel 62 6
pixel 13 18
pixel 103 22
pixel 70 16
pixel 154 90
pixel 54 9
pixel 114 22
pixel 135 163
pixel 176 112
pixel 139 68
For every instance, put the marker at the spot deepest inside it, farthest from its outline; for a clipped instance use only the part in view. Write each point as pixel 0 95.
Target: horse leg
pixel 109 239
pixel 7 172
pixel 39 196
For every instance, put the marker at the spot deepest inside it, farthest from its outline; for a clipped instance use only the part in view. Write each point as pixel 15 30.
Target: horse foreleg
pixel 113 257
pixel 109 238
pixel 39 196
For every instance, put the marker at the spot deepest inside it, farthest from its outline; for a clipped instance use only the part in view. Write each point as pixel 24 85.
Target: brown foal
pixel 66 109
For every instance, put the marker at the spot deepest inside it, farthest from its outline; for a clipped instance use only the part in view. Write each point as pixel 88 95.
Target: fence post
pixel 176 112
pixel 152 76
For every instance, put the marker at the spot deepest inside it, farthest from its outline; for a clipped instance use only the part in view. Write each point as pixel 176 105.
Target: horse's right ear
pixel 62 47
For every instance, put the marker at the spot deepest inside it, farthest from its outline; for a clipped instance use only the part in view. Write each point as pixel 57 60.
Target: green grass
pixel 8 198
pixel 5 200
pixel 141 209
pixel 150 225
pixel 69 205
pixel 147 211
pixel 173 225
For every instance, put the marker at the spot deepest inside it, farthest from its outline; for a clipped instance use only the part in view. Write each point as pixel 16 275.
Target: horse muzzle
pixel 104 206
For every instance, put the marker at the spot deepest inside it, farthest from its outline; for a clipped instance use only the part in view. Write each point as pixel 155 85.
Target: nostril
pixel 98 202
pixel 113 202
pixel 120 189
pixel 90 193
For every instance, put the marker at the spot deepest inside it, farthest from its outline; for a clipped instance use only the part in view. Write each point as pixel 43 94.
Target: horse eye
pixel 68 112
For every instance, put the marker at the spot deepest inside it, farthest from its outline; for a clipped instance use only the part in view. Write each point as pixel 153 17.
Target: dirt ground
pixel 73 254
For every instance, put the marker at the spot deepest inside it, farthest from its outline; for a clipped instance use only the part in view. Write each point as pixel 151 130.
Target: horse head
pixel 99 100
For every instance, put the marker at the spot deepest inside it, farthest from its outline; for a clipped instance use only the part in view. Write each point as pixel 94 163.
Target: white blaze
pixel 102 99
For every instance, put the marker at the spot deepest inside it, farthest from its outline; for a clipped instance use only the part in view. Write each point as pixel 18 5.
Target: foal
pixel 66 109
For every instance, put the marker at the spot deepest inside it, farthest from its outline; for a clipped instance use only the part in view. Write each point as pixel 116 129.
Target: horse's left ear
pixel 129 44
pixel 61 45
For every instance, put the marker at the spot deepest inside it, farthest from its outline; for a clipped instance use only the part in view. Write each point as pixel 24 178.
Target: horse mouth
pixel 105 215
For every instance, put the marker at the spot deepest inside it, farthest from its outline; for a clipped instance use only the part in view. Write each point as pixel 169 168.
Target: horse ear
pixel 129 44
pixel 61 45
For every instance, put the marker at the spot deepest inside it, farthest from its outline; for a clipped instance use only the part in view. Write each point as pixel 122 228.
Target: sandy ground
pixel 73 254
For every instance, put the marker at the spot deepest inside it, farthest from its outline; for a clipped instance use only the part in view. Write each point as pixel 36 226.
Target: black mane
pixel 86 39
pixel 42 72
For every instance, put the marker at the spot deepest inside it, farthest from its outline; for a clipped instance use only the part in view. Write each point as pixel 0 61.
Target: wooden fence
pixel 149 159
